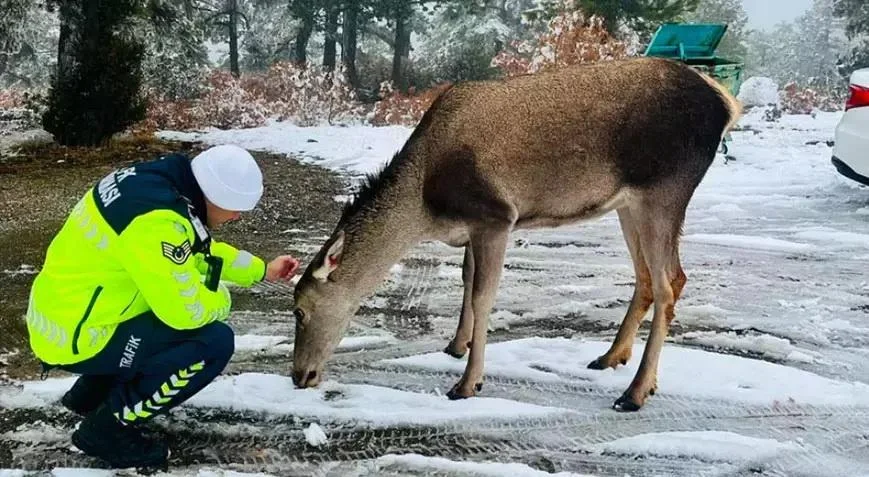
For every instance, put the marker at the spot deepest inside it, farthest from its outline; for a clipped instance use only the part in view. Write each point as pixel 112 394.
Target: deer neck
pixel 380 234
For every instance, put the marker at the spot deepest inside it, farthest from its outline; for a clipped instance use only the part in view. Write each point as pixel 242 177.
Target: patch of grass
pixel 116 152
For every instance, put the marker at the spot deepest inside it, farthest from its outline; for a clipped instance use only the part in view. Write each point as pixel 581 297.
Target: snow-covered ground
pixel 347 149
pixel 766 371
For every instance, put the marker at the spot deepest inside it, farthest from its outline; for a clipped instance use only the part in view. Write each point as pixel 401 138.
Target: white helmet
pixel 229 177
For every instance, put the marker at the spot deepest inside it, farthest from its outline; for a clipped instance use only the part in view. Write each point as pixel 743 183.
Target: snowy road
pixel 766 371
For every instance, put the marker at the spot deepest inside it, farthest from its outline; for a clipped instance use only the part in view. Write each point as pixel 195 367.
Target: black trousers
pixel 157 367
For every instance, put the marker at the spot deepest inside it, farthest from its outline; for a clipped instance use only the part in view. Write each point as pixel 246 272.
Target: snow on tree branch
pixel 306 96
pixel 570 38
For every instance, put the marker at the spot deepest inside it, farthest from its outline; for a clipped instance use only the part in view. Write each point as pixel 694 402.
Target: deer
pixel 634 136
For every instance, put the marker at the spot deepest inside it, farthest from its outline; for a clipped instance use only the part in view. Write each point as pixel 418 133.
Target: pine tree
pixel 350 39
pixel 13 22
pixel 399 15
pixel 28 43
pixel 764 50
pixel 855 13
pixel 175 57
pixel 307 12
pixel 805 51
pixel 824 40
pixel 95 91
pixel 640 15
pixel 330 33
pixel 229 19
pixel 270 35
pixel 462 40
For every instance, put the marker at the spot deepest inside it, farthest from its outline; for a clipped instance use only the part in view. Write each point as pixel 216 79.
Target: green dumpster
pixel 694 44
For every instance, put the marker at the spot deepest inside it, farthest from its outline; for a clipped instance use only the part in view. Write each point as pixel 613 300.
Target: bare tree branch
pixel 381 33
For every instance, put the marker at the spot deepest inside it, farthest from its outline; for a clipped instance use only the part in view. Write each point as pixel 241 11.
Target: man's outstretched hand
pixel 283 267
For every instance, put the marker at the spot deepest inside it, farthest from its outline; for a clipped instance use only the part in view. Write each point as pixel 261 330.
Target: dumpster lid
pixel 686 40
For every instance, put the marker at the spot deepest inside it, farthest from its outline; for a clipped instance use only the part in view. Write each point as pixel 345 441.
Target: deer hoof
pixel 455 354
pixel 634 397
pixel 457 392
pixel 626 404
pixel 598 364
pixel 455 351
pixel 605 363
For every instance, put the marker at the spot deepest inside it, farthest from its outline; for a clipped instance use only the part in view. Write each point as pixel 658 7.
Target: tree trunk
pixel 505 16
pixel 233 38
pixel 348 48
pixel 188 9
pixel 331 34
pixel 300 55
pixel 69 14
pixel 401 52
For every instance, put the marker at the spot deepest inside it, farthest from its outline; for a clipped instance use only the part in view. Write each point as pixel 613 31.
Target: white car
pixel 851 151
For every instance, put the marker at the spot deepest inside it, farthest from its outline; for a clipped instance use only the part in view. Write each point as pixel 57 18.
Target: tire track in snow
pixel 224 438
pixel 565 393
pixel 826 458
pixel 420 282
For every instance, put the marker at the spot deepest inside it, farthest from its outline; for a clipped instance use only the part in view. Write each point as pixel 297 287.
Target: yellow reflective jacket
pixel 134 243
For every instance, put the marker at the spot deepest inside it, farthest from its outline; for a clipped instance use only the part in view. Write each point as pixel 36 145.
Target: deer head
pixel 324 306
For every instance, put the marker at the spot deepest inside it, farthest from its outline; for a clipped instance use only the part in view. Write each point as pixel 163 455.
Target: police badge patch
pixel 177 254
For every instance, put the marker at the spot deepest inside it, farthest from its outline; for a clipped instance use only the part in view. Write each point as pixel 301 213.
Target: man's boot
pixel 88 392
pixel 102 435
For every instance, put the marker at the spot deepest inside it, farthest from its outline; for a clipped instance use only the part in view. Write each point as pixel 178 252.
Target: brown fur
pixel 636 136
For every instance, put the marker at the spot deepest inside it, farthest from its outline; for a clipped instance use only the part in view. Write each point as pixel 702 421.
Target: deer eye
pixel 300 315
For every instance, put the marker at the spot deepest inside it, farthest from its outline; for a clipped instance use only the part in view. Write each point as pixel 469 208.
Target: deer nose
pixel 305 379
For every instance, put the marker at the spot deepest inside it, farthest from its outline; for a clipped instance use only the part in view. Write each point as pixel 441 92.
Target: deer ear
pixel 332 259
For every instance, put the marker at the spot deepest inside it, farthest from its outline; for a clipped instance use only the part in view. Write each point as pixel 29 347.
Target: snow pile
pixel 36 432
pixel 769 244
pixel 251 342
pixel 440 466
pixel 11 140
pixel 330 402
pixel 682 371
pixel 759 91
pixel 769 346
pixel 315 436
pixel 354 149
pixel 283 345
pixel 373 405
pixel 705 445
pixel 835 239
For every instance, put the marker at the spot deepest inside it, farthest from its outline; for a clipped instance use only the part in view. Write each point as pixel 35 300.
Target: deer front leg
pixel 462 341
pixel 488 250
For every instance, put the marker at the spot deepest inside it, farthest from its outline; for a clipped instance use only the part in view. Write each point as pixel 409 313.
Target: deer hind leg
pixel 488 248
pixel 462 341
pixel 620 350
pixel 660 216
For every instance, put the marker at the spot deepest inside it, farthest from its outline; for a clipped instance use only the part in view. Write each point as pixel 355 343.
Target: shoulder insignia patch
pixel 177 254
